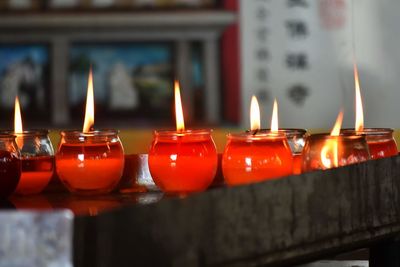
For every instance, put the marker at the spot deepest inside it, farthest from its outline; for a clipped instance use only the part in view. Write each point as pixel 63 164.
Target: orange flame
pixel 329 153
pixel 254 114
pixel 18 130
pixel 17 117
pixel 274 119
pixel 89 111
pixel 180 122
pixel 359 126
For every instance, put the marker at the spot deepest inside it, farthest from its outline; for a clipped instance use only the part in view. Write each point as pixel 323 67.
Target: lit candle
pixel 380 141
pixel 90 162
pixel 37 156
pixel 256 155
pixel 326 151
pixel 182 161
pixel 296 138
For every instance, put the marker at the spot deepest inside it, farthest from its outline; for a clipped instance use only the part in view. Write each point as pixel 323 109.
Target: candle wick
pixel 254 132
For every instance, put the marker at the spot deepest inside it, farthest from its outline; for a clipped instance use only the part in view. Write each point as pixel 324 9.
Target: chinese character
pixel 298 94
pixel 297 28
pixel 261 13
pixel 297 61
pixel 262 54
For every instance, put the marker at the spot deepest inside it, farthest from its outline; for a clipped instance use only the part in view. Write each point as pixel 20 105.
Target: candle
pixel 182 161
pixel 256 156
pixel 37 156
pixel 326 151
pixel 90 162
pixel 380 141
pixel 296 139
pixel 10 165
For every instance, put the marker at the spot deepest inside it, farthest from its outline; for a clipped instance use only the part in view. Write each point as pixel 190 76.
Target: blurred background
pixel 222 51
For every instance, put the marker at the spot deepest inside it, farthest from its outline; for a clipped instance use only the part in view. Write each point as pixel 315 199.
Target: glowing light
pixel 180 122
pixel 254 114
pixel 89 111
pixel 359 126
pixel 274 119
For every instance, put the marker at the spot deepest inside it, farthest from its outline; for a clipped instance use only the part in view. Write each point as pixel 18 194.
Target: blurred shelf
pixel 164 19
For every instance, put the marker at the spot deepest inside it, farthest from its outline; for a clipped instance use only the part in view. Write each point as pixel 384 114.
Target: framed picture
pixel 24 71
pixel 131 80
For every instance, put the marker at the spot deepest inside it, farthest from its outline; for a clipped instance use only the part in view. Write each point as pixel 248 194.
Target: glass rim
pixel 259 135
pixel 95 133
pixel 289 130
pixel 5 134
pixel 368 131
pixel 325 136
pixel 174 133
pixel 31 132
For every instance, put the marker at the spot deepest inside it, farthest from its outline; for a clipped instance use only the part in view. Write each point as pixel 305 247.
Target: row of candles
pixel 182 161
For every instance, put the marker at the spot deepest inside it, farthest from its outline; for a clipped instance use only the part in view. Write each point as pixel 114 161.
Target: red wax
pixel 36 174
pixel 185 164
pixel 10 171
pixel 382 149
pixel 254 160
pixel 90 168
pixel 297 162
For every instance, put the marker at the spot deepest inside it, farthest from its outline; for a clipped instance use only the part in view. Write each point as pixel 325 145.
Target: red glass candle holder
pixel 183 162
pixel 252 158
pixel 37 160
pixel 90 163
pixel 323 151
pixel 380 141
pixel 10 165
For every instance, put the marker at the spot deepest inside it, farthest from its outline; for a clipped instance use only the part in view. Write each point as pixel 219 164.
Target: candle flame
pixel 18 130
pixel 180 122
pixel 89 111
pixel 330 151
pixel 17 117
pixel 254 114
pixel 359 126
pixel 338 124
pixel 274 119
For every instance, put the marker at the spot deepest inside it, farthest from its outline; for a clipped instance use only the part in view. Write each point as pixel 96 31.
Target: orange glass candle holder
pixel 90 163
pixel 250 158
pixel 182 162
pixel 37 160
pixel 323 151
pixel 380 141
pixel 10 165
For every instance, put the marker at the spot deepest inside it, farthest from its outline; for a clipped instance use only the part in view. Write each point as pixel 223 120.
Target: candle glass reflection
pixel 10 165
pixel 183 162
pixel 37 160
pixel 324 151
pixel 249 158
pixel 380 141
pixel 90 163
pixel 296 139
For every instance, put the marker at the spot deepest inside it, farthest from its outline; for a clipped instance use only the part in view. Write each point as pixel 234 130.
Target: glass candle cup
pixel 10 165
pixel 90 163
pixel 380 141
pixel 323 151
pixel 37 160
pixel 183 162
pixel 296 139
pixel 252 158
